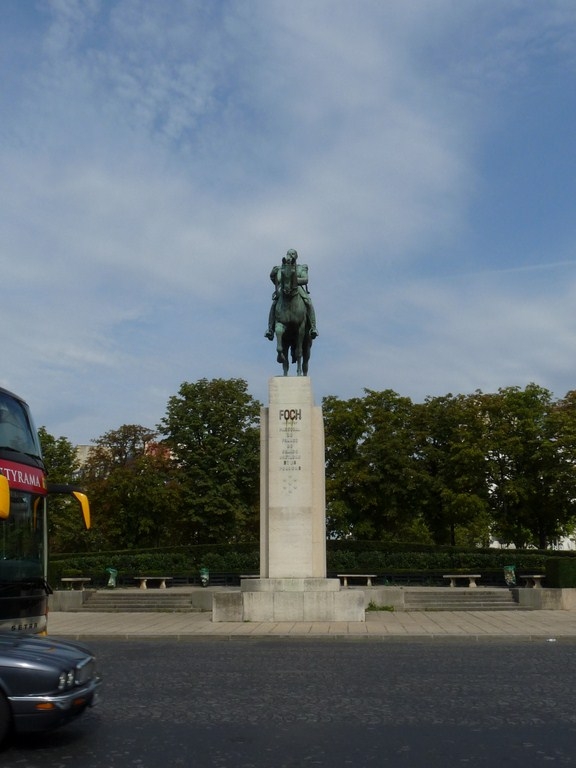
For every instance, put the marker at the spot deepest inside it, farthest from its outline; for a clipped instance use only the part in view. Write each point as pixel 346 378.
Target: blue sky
pixel 158 158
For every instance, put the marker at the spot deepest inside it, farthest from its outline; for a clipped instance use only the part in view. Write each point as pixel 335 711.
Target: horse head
pixel 289 277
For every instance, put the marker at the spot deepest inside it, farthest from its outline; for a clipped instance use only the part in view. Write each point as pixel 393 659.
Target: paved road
pixel 293 703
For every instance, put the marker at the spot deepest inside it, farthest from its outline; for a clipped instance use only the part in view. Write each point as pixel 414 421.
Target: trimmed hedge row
pixel 560 572
pixel 342 557
pixel 376 561
pixel 161 564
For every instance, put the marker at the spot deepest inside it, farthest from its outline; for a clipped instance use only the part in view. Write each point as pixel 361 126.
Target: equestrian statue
pixel 292 319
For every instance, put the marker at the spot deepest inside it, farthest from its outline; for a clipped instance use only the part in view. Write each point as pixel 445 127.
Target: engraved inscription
pixel 290 458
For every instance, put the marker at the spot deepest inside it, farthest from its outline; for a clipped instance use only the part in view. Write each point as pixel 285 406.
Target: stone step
pixel 434 598
pixel 145 601
pixel 460 599
pixel 142 598
pixel 136 609
pixel 415 599
pixel 471 606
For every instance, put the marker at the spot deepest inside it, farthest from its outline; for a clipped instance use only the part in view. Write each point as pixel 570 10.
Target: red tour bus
pixel 24 587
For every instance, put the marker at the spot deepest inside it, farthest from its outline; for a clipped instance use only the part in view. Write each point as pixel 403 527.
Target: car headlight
pixel 66 680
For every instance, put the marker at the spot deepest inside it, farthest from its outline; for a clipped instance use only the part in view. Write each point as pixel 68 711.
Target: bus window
pixel 16 431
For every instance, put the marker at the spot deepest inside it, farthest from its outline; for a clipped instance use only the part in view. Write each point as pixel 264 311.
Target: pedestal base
pixel 297 599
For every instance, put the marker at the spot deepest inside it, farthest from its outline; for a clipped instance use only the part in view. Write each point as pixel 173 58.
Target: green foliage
pixel 195 481
pixel 393 561
pixel 369 472
pixel 380 558
pixel 530 464
pixel 212 431
pixel 65 524
pixel 372 606
pixel 448 461
pixel 454 470
pixel 175 561
pixel 342 562
pixel 561 572
pixel 133 489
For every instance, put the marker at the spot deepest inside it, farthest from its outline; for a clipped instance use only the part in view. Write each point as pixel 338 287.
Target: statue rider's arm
pixel 302 274
pixel 274 277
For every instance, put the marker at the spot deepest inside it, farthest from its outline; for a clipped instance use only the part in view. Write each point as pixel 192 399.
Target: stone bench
pixel 72 581
pixel 470 576
pixel 346 576
pixel 145 579
pixel 533 580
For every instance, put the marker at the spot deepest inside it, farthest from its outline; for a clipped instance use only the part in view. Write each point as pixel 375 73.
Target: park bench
pixel 470 576
pixel 145 579
pixel 346 576
pixel 72 581
pixel 533 580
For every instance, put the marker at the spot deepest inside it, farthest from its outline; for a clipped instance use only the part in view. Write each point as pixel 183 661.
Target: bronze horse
pixel 292 326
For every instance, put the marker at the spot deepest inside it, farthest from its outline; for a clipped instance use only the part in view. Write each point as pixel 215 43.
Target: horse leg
pixel 306 351
pixel 282 346
pixel 298 349
pixel 280 357
pixel 285 358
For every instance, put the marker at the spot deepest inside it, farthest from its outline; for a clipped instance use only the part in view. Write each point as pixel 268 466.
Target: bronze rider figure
pixel 302 274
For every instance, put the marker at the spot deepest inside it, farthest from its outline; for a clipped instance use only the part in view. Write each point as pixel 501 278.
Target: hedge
pixel 150 563
pixel 560 572
pixel 342 557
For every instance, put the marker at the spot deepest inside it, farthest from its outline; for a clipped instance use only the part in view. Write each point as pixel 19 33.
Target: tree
pixel 459 469
pixel 450 460
pixel 387 452
pixel 345 423
pixel 563 437
pixel 133 491
pixel 531 442
pixel 212 431
pixel 369 469
pixel 65 525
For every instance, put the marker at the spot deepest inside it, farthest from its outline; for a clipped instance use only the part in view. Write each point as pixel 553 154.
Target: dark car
pixel 44 683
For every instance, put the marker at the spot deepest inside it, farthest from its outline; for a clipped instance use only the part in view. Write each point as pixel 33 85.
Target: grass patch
pixel 373 607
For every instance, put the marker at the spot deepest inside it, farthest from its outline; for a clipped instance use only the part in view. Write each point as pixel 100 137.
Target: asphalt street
pixel 287 703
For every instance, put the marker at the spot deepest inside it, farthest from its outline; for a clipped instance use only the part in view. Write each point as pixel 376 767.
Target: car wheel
pixel 5 717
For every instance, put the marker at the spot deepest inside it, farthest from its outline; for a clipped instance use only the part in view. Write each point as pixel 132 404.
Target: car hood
pixel 33 648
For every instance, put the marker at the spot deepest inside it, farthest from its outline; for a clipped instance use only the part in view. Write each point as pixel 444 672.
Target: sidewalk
pixel 379 625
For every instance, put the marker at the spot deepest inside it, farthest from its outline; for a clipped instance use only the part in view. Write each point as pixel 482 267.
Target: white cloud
pixel 158 158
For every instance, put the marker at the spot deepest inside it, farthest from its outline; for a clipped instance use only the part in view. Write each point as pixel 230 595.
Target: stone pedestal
pixel 292 584
pixel 289 600
pixel 292 495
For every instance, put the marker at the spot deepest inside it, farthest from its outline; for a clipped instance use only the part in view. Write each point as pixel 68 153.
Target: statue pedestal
pixel 292 485
pixel 289 600
pixel 292 584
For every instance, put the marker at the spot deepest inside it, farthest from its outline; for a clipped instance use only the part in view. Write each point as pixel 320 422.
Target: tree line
pixel 456 469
